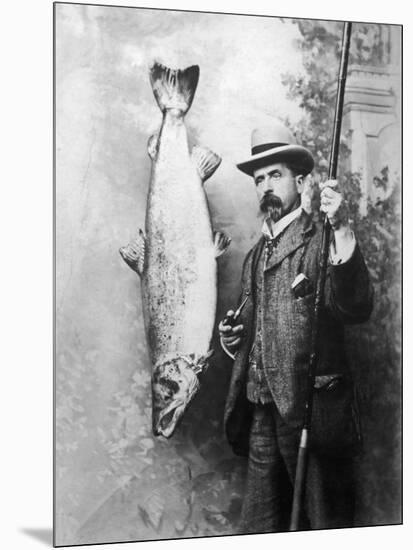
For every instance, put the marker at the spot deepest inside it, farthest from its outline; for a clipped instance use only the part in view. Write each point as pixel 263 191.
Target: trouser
pixel 329 496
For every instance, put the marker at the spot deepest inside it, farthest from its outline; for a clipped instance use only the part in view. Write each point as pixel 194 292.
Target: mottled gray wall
pixel 114 481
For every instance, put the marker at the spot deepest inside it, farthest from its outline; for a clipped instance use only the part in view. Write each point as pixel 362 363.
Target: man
pixel 270 344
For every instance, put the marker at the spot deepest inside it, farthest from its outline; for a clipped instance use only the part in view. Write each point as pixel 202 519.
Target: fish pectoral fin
pixel 221 243
pixel 173 88
pixel 206 161
pixel 153 146
pixel 134 253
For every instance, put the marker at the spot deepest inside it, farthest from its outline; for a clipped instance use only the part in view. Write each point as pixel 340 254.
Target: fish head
pixel 174 384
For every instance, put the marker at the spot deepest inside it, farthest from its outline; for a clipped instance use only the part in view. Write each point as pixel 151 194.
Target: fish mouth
pixel 168 419
pixel 174 384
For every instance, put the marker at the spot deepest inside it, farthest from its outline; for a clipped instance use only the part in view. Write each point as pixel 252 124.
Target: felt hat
pixel 272 144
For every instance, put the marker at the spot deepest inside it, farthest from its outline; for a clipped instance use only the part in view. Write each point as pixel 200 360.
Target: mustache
pixel 271 205
pixel 270 202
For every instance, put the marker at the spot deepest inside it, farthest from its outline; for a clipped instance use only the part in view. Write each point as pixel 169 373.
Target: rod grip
pixel 299 484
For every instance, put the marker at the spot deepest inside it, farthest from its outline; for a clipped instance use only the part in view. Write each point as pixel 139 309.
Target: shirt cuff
pixel 342 246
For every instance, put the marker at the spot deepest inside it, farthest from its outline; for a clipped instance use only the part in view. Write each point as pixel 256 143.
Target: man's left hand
pixel 333 204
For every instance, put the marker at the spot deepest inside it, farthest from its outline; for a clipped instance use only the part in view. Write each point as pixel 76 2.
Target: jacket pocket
pixel 305 304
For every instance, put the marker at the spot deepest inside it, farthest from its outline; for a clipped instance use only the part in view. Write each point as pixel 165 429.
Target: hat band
pixel 265 147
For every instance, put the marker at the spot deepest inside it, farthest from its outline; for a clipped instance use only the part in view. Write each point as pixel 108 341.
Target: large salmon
pixel 176 257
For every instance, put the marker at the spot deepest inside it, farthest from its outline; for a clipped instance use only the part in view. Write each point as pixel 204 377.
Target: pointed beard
pixel 272 206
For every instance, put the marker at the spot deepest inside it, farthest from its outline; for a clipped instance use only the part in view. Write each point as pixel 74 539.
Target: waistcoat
pixel 257 385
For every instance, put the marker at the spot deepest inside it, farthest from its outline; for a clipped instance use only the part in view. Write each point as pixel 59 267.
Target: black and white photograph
pixel 206 298
pixel 227 274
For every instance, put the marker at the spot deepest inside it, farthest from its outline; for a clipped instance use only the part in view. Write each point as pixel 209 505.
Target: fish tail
pixel 173 88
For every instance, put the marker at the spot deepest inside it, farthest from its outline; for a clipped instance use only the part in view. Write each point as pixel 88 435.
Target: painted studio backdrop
pixel 114 481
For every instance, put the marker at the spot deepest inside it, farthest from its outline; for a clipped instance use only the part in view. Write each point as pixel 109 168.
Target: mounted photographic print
pixel 227 274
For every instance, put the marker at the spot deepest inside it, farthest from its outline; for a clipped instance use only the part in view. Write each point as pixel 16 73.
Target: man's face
pixel 278 190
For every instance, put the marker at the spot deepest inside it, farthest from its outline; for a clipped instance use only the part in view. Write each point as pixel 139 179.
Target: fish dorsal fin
pixel 134 253
pixel 173 88
pixel 153 146
pixel 206 161
pixel 221 243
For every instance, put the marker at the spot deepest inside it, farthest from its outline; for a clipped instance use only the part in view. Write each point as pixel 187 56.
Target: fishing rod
pixel 302 459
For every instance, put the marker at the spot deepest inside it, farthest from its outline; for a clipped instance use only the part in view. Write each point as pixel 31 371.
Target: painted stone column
pixel 371 124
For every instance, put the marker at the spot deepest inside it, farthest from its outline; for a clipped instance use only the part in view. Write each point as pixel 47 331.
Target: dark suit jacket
pixel 287 324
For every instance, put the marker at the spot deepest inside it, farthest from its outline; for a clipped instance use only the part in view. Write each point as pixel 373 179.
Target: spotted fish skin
pixel 176 258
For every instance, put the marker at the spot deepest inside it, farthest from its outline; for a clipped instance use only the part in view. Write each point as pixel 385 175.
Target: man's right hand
pixel 231 335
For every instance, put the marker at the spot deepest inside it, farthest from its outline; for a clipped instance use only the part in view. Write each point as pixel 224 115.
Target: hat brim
pixel 295 154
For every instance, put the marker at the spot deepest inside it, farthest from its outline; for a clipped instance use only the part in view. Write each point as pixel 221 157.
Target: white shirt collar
pixel 281 224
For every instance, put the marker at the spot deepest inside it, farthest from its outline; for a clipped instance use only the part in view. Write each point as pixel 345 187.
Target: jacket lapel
pixel 294 236
pixel 255 258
